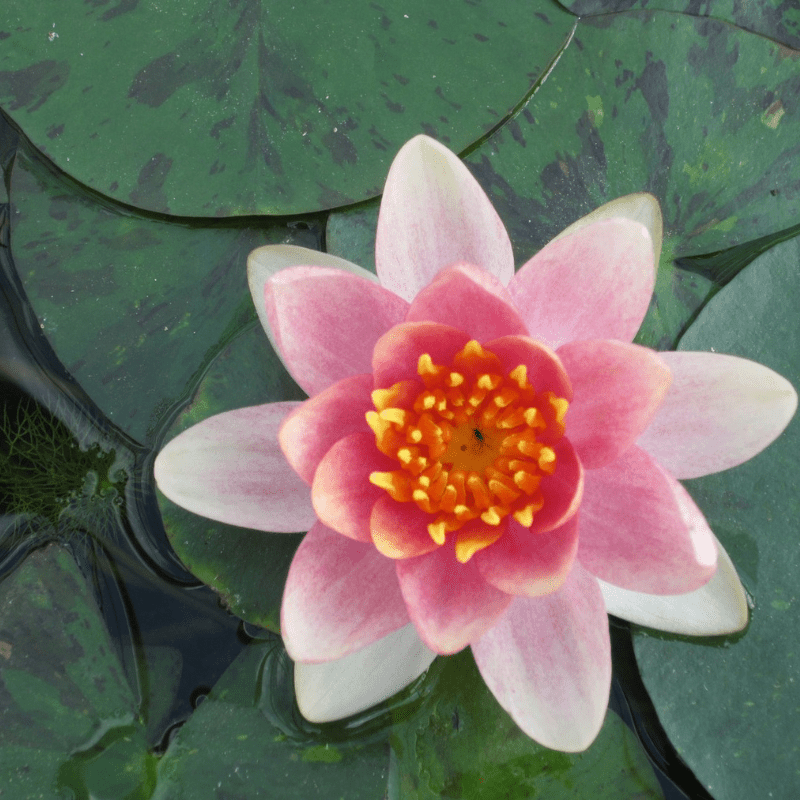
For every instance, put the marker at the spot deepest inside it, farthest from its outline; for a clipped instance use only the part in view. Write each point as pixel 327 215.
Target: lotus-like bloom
pixel 485 460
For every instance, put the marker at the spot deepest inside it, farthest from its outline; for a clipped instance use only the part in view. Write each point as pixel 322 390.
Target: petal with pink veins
pixel 340 596
pixel 617 387
pixel 545 370
pixel 720 411
pixel 595 283
pixel 434 213
pixel 642 531
pixel 716 609
pixel 396 354
pixel 337 689
pixel 312 324
pixel 341 493
pixel 450 604
pixel 530 564
pixel 230 468
pixel 469 299
pixel 317 424
pixel 548 663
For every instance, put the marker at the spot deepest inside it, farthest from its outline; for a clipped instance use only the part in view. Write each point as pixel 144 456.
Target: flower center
pixel 474 443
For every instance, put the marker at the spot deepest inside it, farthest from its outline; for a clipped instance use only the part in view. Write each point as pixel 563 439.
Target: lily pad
pixel 778 19
pixel 133 307
pixel 68 717
pixel 246 568
pixel 237 743
pixel 461 744
pixel 731 706
pixel 261 107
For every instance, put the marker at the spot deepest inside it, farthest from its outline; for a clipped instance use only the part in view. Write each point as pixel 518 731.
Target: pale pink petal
pixel 719 412
pixel 341 492
pixel 340 595
pixel 595 283
pixel 230 468
pixel 338 689
pixel 400 530
pixel 545 370
pixel 640 207
pixel 469 299
pixel 318 423
pixel 562 491
pixel 324 322
pixel 548 663
pixel 716 609
pixel 618 388
pixel 433 214
pixel 640 529
pixel 450 604
pixel 264 262
pixel 530 564
pixel 397 352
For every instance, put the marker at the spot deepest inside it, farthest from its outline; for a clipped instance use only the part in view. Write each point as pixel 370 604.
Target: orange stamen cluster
pixel 474 443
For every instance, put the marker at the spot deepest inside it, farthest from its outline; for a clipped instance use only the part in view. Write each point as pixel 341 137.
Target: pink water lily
pixel 485 460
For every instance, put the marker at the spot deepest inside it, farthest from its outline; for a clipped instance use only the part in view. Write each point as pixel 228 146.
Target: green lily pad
pixel 235 745
pixel 461 744
pixel 133 307
pixel 262 107
pixel 778 19
pixel 67 715
pixel 731 706
pixel 246 568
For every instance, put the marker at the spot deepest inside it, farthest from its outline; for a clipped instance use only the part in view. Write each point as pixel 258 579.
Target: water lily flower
pixel 485 460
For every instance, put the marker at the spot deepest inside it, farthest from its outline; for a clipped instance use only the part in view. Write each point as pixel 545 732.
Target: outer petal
pixel 340 595
pixel 397 352
pixel 314 329
pixel 449 603
pixel 320 422
pixel 341 688
pixel 341 492
pixel 548 663
pixel 641 207
pixel 719 412
pixel 434 213
pixel 641 530
pixel 716 609
pixel 618 388
pixel 593 284
pixel 229 468
pixel 530 564
pixel 469 299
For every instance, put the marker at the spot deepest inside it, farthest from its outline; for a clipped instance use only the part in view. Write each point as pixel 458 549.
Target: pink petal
pixel 397 352
pixel 320 422
pixel 449 603
pixel 640 529
pixel 399 530
pixel 229 468
pixel 530 564
pixel 715 609
pixel 618 388
pixel 469 299
pixel 592 284
pixel 548 663
pixel 340 595
pixel 545 370
pixel 326 321
pixel 719 412
pixel 264 262
pixel 341 492
pixel 562 491
pixel 338 689
pixel 433 214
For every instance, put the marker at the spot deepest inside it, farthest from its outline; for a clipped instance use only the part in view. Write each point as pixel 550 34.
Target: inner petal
pixel 472 441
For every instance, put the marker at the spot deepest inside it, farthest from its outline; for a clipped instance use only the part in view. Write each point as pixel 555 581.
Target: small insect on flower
pixel 478 434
